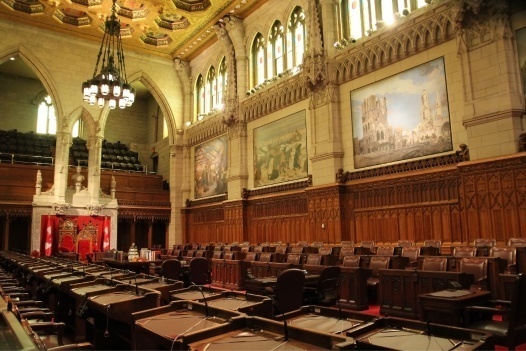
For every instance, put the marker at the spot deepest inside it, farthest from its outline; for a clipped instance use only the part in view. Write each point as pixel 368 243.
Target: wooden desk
pixel 192 293
pixel 251 305
pixel 353 288
pixel 407 335
pixel 264 334
pixel 163 287
pixel 137 267
pixel 169 327
pixel 446 307
pixel 257 286
pixel 399 289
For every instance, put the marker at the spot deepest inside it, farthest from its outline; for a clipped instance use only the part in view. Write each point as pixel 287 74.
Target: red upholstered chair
pixel 67 235
pixel 288 293
pixel 86 240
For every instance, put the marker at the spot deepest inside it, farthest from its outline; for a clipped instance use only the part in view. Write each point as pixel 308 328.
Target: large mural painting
pixel 280 151
pixel 402 117
pixel 210 167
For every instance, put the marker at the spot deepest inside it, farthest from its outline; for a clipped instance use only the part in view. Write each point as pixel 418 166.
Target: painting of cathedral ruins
pixel 280 150
pixel 210 167
pixel 402 117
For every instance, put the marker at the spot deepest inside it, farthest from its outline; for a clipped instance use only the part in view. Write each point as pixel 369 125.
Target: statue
pixel 38 185
pixel 78 178
pixel 463 153
pixel 522 141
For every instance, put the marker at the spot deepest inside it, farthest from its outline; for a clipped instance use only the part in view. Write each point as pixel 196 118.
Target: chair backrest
pixel 296 249
pixel 347 244
pixel 313 259
pixel 199 272
pixel 411 252
pixel 171 269
pixel 351 261
pixel 476 266
pixel 368 244
pixel 484 242
pixel 199 253
pixel 405 243
pixel 507 253
pixel 433 243
pixel 327 290
pixel 385 251
pixel 228 255
pixel 434 264
pixel 265 257
pixel 347 251
pixel 377 263
pixel 293 258
pixel 251 256
pixel 217 254
pixel 325 251
pixel 289 290
pixel 464 251
pixel 516 242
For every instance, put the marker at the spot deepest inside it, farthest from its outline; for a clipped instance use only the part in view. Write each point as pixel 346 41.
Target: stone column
pixel 61 166
pixel 94 146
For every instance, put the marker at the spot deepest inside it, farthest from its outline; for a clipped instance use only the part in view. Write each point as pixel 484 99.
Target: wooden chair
pixel 67 235
pixel 484 242
pixel 385 251
pixel 512 330
pixel 351 261
pixel 288 293
pixel 368 245
pixel 434 264
pixel 477 266
pixel 508 254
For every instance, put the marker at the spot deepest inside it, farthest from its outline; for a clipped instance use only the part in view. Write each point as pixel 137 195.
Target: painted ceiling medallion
pixel 27 6
pixel 192 5
pixel 172 21
pixel 132 9
pixel 156 39
pixel 88 3
pixel 73 17
pixel 126 29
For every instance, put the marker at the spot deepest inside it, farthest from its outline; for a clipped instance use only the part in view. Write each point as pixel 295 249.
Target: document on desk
pixel 450 293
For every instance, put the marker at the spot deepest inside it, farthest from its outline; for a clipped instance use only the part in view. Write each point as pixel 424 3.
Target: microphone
pixel 339 310
pixel 136 285
pixel 428 327
pixel 200 288
pixel 285 325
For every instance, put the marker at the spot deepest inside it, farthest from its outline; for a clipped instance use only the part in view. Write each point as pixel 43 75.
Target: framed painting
pixel 210 166
pixel 402 117
pixel 280 150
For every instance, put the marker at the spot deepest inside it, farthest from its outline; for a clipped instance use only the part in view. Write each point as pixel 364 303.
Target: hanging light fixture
pixel 110 84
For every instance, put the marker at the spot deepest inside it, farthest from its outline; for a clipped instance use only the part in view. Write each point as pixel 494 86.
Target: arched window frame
pixel 200 96
pixel 258 60
pixel 296 38
pixel 46 118
pixel 221 82
pixel 276 47
pixel 210 89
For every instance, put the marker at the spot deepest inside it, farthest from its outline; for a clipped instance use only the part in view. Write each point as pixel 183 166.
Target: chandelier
pixel 110 84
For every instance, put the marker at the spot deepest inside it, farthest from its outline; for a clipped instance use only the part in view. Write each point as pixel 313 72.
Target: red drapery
pixel 50 224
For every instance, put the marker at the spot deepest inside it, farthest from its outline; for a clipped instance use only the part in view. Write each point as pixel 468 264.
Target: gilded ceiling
pixel 175 28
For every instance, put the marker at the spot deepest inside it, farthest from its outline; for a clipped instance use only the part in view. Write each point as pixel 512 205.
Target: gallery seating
pixel 434 264
pixel 412 253
pixel 199 271
pixel 508 254
pixel 351 261
pixel 464 251
pixel 385 251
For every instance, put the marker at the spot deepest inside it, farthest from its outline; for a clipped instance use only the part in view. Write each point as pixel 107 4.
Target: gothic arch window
pixel 210 89
pixel 258 60
pixel 46 119
pixel 358 18
pixel 200 96
pixel 296 38
pixel 275 50
pixel 221 83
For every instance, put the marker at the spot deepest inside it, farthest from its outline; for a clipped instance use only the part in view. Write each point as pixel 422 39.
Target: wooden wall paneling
pixel 520 194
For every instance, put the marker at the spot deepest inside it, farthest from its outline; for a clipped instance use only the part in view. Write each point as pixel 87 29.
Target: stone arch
pixel 77 114
pixel 41 72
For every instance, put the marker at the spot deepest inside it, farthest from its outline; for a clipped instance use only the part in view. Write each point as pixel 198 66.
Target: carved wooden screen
pixel 86 240
pixel 67 235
